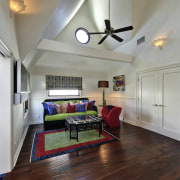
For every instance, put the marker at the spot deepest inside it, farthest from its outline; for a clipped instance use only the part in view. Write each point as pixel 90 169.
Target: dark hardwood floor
pixel 140 154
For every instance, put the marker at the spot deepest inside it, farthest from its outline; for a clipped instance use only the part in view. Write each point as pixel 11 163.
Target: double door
pixel 159 101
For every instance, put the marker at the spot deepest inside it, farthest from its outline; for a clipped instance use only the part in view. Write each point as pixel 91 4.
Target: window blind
pixel 63 82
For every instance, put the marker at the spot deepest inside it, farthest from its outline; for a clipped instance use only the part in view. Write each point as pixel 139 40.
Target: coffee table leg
pixel 73 131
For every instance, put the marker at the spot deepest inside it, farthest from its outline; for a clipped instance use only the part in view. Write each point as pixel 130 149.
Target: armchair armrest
pixel 104 110
pixel 113 117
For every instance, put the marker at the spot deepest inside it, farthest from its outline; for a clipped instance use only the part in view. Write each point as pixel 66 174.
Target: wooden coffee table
pixel 82 123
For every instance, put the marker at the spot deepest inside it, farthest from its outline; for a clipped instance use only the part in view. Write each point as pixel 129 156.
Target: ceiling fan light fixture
pixel 82 35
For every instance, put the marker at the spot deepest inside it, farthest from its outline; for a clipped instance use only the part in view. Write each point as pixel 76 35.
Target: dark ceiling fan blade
pixel 96 33
pixel 108 24
pixel 103 39
pixel 117 38
pixel 128 28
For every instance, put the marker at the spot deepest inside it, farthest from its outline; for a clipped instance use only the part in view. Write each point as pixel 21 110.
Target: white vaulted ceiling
pixel 57 20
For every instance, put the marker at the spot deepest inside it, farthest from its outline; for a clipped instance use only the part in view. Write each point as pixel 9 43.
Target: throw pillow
pixel 52 109
pixel 92 105
pixel 58 107
pixel 89 106
pixel 71 103
pixel 64 107
pixel 45 105
pixel 86 106
pixel 81 107
pixel 71 108
pixel 80 102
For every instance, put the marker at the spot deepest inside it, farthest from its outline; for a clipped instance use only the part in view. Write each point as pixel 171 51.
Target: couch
pixel 110 115
pixel 57 120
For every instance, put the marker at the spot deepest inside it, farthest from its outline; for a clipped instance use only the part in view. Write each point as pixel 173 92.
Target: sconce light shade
pixel 17 5
pixel 103 84
pixel 159 42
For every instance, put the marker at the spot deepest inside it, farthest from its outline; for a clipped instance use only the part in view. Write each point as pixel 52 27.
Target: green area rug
pixel 52 143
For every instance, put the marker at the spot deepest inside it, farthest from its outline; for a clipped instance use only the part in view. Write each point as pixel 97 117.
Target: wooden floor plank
pixel 140 154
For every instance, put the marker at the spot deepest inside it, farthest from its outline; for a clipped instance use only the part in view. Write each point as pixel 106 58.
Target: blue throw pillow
pixel 81 107
pixel 52 109
pixel 45 105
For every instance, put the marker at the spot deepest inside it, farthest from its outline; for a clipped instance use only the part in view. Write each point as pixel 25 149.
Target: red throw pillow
pixel 71 108
pixel 89 106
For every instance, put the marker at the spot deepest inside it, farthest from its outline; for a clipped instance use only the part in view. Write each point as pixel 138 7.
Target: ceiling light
pixel 159 42
pixel 82 35
pixel 17 5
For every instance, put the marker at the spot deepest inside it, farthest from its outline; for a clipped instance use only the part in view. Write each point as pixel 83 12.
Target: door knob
pixel 155 105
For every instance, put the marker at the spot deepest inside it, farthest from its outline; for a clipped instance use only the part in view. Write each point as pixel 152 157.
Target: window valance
pixel 63 82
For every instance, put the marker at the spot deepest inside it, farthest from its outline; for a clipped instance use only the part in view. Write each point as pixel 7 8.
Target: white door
pixel 148 100
pixel 159 101
pixel 169 104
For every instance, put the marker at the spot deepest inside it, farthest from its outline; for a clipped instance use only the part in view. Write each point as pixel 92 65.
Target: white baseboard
pixel 161 131
pixel 135 123
pixel 35 122
pixel 19 147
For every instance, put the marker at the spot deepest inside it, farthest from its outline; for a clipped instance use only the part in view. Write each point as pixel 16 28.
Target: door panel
pixel 170 99
pixel 148 99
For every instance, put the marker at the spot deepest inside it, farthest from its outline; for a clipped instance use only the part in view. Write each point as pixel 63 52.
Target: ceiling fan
pixel 109 31
pixel 83 36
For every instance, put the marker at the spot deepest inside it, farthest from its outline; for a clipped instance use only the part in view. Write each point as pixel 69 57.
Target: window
pixel 69 92
pixel 63 85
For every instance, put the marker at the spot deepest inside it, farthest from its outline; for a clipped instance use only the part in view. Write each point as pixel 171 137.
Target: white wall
pixel 6 115
pixel 8 33
pixel 20 127
pixel 39 93
pixel 10 135
pixel 159 19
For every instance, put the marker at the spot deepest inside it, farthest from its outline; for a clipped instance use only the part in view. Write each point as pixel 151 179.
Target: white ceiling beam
pixel 63 14
pixel 61 47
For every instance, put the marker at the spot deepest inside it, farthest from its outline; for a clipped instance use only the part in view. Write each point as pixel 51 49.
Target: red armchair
pixel 110 115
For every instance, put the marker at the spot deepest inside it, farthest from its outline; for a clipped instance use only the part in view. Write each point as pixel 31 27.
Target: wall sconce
pixel 17 5
pixel 159 42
